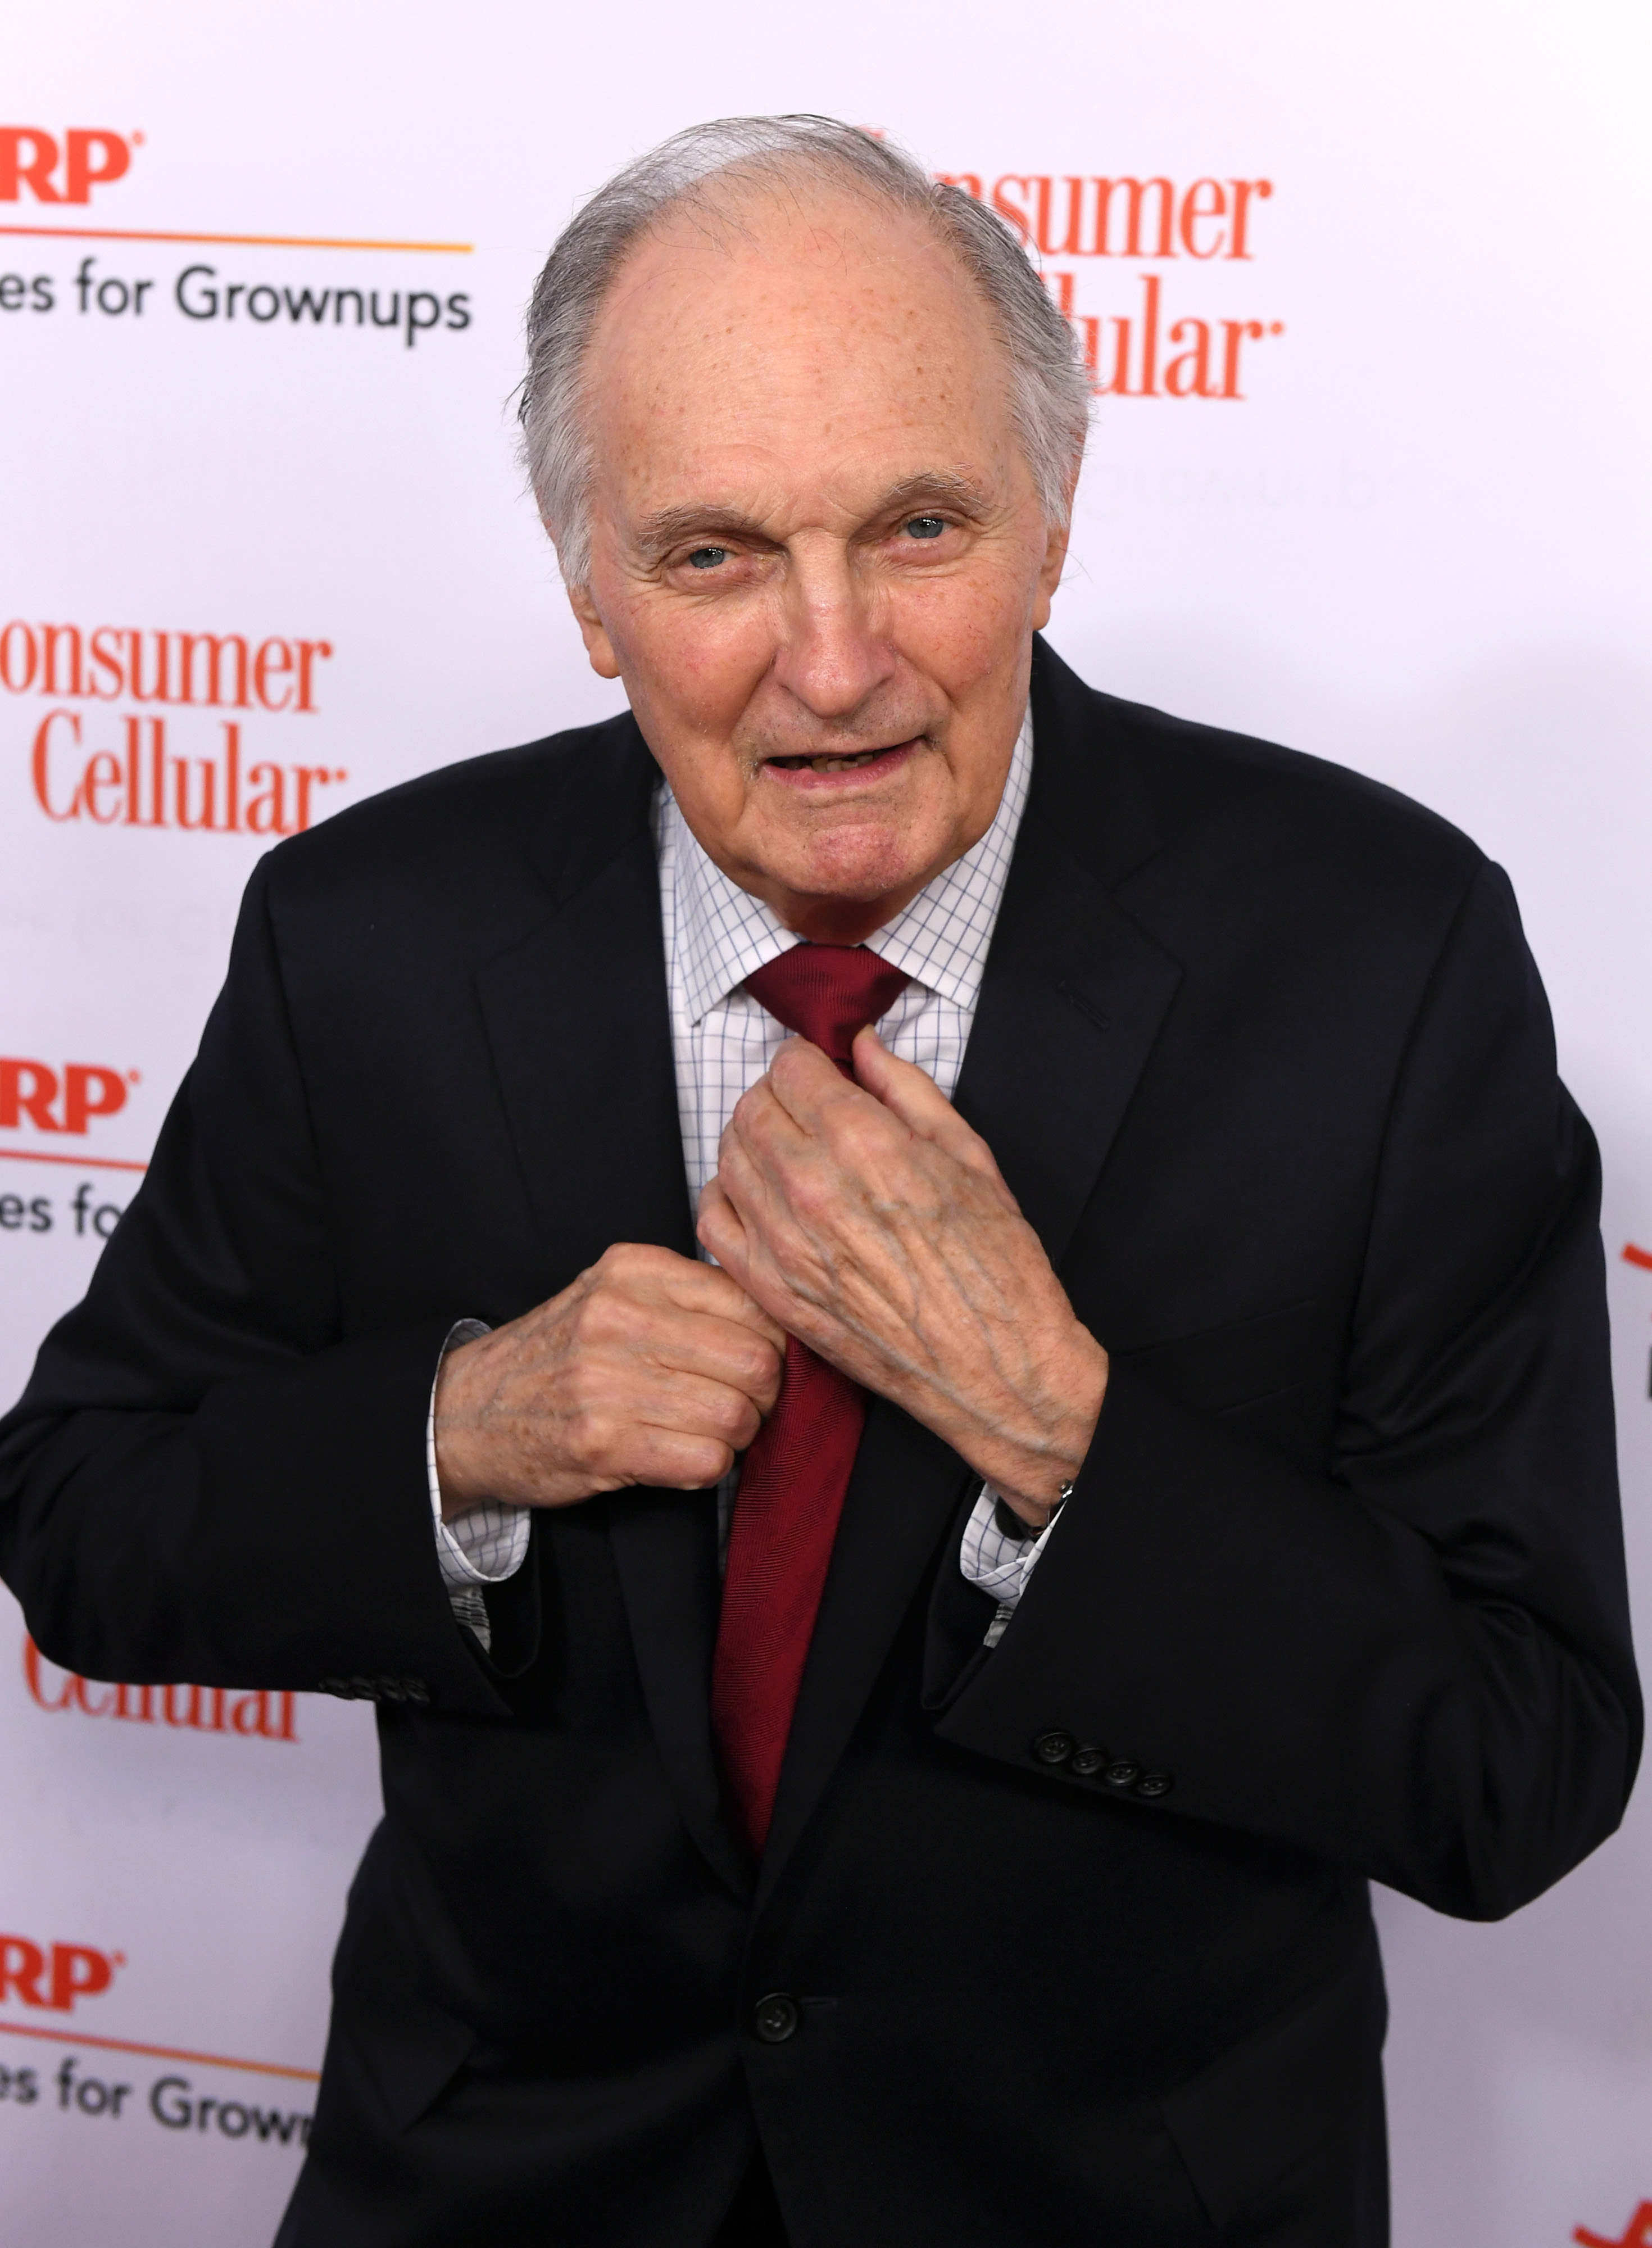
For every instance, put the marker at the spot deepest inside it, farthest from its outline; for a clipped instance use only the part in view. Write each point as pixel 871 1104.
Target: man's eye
pixel 707 558
pixel 925 526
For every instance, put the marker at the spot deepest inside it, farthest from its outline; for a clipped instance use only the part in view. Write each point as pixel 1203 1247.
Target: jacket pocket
pixel 1299 2086
pixel 1222 1370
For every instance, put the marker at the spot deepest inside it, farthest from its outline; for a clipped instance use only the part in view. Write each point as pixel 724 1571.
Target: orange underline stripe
pixel 1634 1256
pixel 254 241
pixel 75 1163
pixel 158 2051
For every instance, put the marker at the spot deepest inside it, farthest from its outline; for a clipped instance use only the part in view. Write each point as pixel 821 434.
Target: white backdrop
pixel 1414 543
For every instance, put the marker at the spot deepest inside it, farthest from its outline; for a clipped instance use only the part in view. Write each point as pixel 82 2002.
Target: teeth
pixel 831 763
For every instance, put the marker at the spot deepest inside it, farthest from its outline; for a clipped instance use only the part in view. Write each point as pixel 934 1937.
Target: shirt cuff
pixel 486 1544
pixel 998 1560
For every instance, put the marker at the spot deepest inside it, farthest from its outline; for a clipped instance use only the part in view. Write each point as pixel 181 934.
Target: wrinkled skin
pixel 818 560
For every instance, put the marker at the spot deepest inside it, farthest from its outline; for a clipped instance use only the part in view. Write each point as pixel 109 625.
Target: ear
pixel 593 632
pixel 1050 569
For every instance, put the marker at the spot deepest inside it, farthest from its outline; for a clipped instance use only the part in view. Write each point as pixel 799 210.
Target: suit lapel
pixel 665 1548
pixel 906 1487
pixel 578 1021
pixel 1071 1003
pixel 579 1027
pixel 1074 989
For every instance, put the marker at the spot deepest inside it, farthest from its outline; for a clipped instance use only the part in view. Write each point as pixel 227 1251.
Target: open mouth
pixel 836 761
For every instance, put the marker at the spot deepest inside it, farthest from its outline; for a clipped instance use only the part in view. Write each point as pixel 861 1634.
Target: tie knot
pixel 827 992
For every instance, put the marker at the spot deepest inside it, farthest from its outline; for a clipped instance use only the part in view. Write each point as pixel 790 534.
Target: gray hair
pixel 1050 390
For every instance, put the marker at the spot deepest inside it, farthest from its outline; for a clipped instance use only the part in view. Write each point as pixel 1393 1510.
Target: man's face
pixel 818 558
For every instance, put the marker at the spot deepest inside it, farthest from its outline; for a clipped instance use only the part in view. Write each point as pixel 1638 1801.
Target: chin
pixel 857 877
pixel 862 859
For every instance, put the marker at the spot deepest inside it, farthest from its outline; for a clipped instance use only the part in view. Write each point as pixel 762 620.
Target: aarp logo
pixel 62 168
pixel 53 1977
pixel 59 1100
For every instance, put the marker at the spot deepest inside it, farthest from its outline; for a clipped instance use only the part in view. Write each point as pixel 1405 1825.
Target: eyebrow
pixel 657 533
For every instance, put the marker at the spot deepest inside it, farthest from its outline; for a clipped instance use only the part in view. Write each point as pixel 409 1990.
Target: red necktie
pixel 792 1484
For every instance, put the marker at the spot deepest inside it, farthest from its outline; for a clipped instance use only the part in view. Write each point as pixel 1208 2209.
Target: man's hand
pixel 871 1222
pixel 651 1368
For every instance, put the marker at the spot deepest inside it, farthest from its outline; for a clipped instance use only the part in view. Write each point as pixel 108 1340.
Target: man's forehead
pixel 715 283
pixel 731 367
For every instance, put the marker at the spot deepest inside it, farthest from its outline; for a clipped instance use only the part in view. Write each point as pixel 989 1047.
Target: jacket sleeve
pixel 1418 1663
pixel 207 1480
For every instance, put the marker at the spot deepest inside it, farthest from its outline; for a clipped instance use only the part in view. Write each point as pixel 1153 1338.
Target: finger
pixel 741 1310
pixel 724 1352
pixel 803 1115
pixel 913 1096
pixel 667 1459
pixel 777 1197
pixel 691 1405
pixel 728 1229
pixel 802 1085
pixel 615 1332
pixel 720 1229
pixel 648 1274
pixel 762 1156
pixel 762 1118
pixel 725 1231
pixel 595 1426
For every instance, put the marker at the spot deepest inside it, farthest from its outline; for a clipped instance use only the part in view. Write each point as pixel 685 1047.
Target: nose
pixel 832 655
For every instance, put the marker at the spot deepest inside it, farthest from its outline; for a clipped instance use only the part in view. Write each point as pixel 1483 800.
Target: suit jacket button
pixel 340 1686
pixel 1123 1773
pixel 775 2019
pixel 1054 1748
pixel 417 1690
pixel 1154 1783
pixel 1086 1759
pixel 365 1689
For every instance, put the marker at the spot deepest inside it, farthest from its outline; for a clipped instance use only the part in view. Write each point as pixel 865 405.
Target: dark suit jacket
pixel 1262 1052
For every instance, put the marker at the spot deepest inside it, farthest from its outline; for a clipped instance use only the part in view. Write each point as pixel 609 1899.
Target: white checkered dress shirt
pixel 716 936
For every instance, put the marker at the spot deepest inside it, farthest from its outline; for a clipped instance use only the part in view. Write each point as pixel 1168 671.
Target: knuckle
pixel 711 1462
pixel 595 1434
pixel 733 1414
pixel 812 1196
pixel 855 1135
pixel 630 1261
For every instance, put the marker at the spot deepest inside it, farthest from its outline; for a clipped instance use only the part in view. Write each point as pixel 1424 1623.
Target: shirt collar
pixel 722 934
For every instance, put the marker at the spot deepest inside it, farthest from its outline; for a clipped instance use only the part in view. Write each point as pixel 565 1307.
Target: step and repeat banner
pixel 1361 293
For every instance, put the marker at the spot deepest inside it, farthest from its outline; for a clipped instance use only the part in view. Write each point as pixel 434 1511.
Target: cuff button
pixel 1054 1748
pixel 1086 1760
pixel 1154 1783
pixel 1123 1774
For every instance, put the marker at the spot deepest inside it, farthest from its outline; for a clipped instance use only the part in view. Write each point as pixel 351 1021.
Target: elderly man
pixel 892 1688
